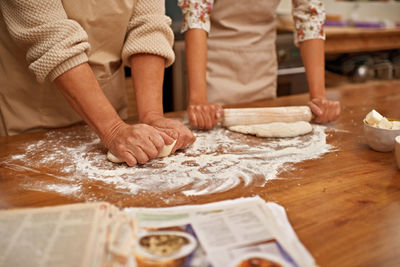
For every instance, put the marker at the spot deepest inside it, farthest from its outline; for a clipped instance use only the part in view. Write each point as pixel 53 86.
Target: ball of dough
pixel 112 158
pixel 164 152
pixel 274 129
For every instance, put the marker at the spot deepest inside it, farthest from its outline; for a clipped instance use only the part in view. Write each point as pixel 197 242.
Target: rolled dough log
pixel 164 152
pixel 274 129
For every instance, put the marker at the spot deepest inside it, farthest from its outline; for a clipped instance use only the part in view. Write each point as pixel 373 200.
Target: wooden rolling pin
pixel 248 116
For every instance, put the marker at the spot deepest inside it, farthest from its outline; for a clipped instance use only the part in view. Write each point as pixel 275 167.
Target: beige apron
pixel 241 63
pixel 26 105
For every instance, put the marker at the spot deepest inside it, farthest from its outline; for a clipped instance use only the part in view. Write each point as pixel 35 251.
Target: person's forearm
pixel 196 61
pixel 80 87
pixel 147 78
pixel 313 56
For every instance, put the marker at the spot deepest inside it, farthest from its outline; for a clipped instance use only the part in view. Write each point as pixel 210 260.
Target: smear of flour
pixel 63 189
pixel 219 160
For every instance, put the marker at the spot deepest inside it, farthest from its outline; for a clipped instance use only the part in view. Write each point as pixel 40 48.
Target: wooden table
pixel 350 39
pixel 353 40
pixel 344 206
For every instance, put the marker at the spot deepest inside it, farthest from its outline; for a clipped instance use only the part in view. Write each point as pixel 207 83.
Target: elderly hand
pixel 174 128
pixel 136 143
pixel 325 110
pixel 204 116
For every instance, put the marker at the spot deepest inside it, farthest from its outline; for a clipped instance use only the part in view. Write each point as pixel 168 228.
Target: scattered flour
pixel 62 189
pixel 219 160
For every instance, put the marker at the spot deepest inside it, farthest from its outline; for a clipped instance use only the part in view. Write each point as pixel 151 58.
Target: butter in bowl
pixel 380 132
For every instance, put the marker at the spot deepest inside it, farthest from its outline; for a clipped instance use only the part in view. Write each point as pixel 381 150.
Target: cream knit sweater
pixel 54 43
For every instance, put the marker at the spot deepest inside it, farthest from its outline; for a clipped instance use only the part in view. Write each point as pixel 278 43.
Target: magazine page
pixel 120 241
pixel 239 235
pixel 53 236
pixel 241 232
pixel 286 235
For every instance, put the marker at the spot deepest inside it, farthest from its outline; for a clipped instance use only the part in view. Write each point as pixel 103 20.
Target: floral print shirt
pixel 308 16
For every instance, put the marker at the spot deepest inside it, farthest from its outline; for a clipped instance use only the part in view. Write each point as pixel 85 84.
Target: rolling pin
pixel 248 116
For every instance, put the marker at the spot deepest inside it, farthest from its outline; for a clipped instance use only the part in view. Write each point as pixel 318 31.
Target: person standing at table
pixel 231 56
pixel 62 61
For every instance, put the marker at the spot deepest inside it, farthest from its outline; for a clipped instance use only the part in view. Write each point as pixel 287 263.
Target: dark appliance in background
pixel 291 72
pixel 358 67
pixel 395 58
pixel 361 67
pixel 174 12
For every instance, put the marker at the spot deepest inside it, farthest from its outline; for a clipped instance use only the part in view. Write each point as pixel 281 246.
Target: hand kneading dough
pixel 164 152
pixel 274 129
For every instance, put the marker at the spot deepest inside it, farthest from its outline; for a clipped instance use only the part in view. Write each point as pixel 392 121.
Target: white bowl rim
pixel 379 129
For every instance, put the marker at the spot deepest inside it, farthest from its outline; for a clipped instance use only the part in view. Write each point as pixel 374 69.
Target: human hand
pixel 136 143
pixel 325 110
pixel 174 128
pixel 204 116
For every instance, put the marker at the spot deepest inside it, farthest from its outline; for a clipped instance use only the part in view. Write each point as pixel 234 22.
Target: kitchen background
pixel 359 64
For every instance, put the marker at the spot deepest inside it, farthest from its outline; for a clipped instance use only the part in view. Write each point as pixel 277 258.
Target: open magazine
pixel 238 233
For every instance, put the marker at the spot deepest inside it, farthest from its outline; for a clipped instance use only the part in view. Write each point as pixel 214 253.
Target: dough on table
pixel 274 129
pixel 164 152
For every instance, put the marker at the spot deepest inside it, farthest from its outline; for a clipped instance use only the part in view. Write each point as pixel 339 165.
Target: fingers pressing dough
pixel 164 152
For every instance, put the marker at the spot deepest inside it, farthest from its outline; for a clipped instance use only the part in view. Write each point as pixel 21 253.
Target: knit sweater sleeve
pixel 149 32
pixel 53 43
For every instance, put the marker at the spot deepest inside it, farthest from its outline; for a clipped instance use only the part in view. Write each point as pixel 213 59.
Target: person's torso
pixel 26 105
pixel 243 23
pixel 241 63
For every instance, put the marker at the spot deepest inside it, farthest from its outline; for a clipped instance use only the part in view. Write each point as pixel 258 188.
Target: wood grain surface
pixel 344 206
pixel 350 39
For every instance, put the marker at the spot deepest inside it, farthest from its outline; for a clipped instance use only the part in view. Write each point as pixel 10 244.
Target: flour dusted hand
pixel 274 129
pixel 164 152
pixel 184 137
pixel 137 143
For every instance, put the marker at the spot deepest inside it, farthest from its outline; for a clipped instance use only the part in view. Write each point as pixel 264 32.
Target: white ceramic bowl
pixel 397 150
pixel 378 139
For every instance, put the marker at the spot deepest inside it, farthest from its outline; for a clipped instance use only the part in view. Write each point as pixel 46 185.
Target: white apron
pixel 26 105
pixel 241 61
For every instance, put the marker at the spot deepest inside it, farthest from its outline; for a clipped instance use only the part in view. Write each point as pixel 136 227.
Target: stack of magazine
pixel 232 233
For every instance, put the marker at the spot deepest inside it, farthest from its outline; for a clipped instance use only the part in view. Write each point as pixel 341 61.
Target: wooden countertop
pixel 344 206
pixel 352 39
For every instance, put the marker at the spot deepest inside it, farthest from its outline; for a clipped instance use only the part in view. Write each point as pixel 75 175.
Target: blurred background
pixel 362 46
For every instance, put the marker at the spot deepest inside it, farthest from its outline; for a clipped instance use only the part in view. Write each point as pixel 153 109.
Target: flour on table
pixel 62 189
pixel 219 160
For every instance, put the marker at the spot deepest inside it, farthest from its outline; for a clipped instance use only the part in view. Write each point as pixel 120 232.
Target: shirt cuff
pixel 193 25
pixel 308 31
pixel 156 43
pixel 67 65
